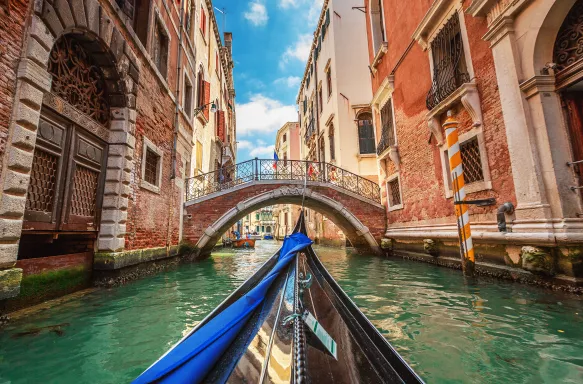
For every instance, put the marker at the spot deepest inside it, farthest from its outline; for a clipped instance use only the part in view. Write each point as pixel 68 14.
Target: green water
pixel 449 331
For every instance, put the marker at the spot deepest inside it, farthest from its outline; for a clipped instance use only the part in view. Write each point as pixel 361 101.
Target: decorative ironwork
pixel 41 190
pixel 394 192
pixel 472 161
pixel 84 192
pixel 569 44
pixel 449 65
pixel 77 80
pixel 284 170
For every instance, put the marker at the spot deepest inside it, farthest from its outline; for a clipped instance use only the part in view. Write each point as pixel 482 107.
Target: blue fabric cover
pixel 192 359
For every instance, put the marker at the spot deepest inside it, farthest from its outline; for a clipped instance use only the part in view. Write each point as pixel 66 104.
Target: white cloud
pixel 285 4
pixel 244 144
pixel 300 50
pixel 257 14
pixel 262 115
pixel 290 81
pixel 314 11
pixel 263 151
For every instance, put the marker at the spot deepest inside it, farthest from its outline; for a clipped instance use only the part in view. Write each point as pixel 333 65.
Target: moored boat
pixel 268 237
pixel 290 322
pixel 244 243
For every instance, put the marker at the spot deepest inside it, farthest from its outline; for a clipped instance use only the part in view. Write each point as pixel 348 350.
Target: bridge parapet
pixel 269 170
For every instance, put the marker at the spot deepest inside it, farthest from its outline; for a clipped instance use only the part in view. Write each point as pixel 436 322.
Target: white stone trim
pixel 478 186
pixel 147 144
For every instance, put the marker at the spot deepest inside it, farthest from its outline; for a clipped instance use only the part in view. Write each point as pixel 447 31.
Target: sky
pixel 271 44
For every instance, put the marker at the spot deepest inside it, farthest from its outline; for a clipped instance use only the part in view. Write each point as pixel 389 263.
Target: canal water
pixel 449 331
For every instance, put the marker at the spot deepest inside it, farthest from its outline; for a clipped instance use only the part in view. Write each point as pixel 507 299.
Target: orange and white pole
pixel 461 210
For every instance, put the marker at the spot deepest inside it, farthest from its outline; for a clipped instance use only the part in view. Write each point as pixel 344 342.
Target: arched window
pixel 331 139
pixel 365 133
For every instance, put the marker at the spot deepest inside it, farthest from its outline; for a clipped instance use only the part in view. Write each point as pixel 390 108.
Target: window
pixel 320 102
pixel 394 193
pixel 257 229
pixel 151 171
pixel 322 149
pixel 331 139
pixel 285 159
pixel 471 162
pixel 188 16
pixel 305 105
pixel 161 49
pixel 450 69
pixel 187 96
pixel 200 89
pixel 365 134
pixel 284 137
pixel 202 21
pixel 329 80
pixel 257 216
pixel 263 228
pixel 388 128
pixel 198 164
pixel 326 24
pixel 151 166
pixel 285 218
pixel 377 24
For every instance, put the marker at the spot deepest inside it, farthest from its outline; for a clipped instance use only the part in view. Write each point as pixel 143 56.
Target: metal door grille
pixel 41 190
pixel 472 161
pixel 394 192
pixel 84 192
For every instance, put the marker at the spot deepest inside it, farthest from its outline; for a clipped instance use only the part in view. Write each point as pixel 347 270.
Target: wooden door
pixel 574 104
pixel 67 177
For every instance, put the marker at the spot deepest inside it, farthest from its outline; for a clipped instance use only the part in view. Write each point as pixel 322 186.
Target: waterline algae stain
pixel 449 331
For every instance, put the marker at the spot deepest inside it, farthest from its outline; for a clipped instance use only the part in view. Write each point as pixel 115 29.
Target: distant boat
pixel 256 237
pixel 244 243
pixel 268 237
pixel 288 323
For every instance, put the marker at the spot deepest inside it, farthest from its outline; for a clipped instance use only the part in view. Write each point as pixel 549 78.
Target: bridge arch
pixel 206 220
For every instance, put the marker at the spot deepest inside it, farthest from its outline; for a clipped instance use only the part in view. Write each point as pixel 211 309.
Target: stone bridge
pixel 215 201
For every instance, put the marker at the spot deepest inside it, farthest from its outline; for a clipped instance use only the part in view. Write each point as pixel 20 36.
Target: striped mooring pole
pixel 459 195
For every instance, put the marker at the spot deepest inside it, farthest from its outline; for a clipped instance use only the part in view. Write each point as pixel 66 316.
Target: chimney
pixel 229 41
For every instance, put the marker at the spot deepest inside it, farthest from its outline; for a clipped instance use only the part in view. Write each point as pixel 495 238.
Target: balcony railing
pixel 290 170
pixel 387 140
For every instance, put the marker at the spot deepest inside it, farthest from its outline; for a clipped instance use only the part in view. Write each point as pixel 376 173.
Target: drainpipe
pixel 506 208
pixel 317 119
pixel 177 96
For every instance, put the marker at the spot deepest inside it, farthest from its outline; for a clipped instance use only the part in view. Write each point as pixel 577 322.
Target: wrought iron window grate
pixel 84 192
pixel 388 132
pixel 471 161
pixel 449 64
pixel 151 169
pixel 394 192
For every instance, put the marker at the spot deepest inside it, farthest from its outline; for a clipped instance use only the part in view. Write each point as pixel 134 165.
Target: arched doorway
pixel 67 179
pixel 568 64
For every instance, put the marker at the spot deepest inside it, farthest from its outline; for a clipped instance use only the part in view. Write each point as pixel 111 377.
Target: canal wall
pixel 549 267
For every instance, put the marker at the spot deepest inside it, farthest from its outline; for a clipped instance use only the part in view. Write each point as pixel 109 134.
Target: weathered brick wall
pixel 12 24
pixel 206 213
pixel 421 174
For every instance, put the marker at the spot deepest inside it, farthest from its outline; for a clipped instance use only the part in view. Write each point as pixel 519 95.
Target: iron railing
pixel 387 140
pixel 285 170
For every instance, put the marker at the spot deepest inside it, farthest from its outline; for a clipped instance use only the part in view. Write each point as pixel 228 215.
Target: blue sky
pixel 271 43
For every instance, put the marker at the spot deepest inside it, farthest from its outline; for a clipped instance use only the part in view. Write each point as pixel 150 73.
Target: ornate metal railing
pixel 290 170
pixel 387 140
pixel 449 68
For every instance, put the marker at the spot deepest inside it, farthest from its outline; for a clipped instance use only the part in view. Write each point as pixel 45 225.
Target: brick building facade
pixel 506 74
pixel 98 106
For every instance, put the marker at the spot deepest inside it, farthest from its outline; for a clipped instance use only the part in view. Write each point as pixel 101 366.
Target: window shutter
pixel 207 98
pixel 221 127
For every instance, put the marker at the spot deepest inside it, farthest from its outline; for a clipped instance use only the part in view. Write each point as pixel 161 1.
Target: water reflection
pixel 448 330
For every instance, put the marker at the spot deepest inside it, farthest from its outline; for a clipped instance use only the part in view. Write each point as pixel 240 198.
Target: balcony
pixel 387 140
